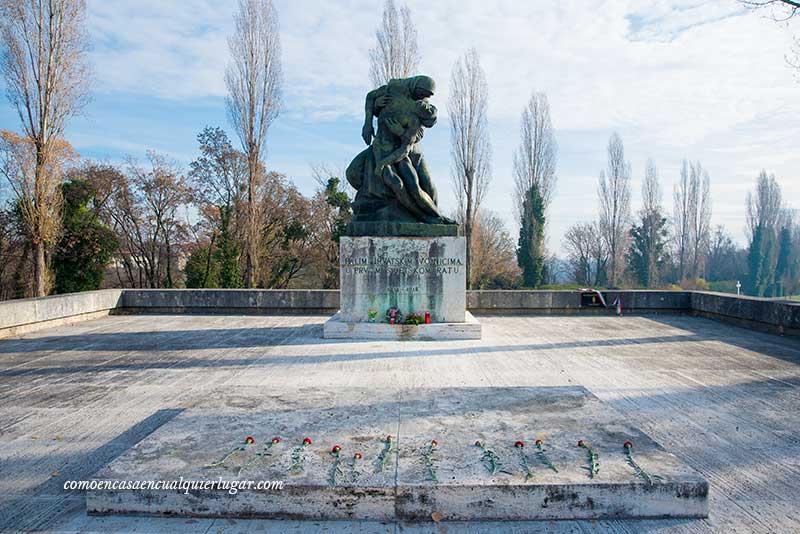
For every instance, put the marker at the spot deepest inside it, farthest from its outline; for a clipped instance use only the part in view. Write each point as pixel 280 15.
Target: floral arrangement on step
pixel 394 316
pixel 239 448
pixel 372 315
pixel 593 458
pixel 490 460
pixel 519 446
pixel 639 470
pixel 266 451
pixel 541 453
pixel 430 460
pixel 389 447
pixel 299 456
pixel 414 318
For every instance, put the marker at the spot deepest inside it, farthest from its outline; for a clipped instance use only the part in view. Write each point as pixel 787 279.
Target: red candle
pixel 391 320
pixel 427 317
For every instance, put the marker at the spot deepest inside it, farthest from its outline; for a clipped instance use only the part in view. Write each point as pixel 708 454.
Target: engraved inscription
pixel 412 265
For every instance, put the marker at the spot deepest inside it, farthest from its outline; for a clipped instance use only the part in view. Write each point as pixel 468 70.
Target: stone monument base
pixel 413 274
pixel 337 328
pixel 402 488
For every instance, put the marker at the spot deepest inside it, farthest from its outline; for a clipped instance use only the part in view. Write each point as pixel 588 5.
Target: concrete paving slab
pixel 403 488
pixel 723 399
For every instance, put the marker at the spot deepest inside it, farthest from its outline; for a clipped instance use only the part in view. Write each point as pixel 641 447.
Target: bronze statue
pixel 393 182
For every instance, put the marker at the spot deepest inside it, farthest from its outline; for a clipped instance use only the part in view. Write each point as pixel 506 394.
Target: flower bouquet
pixel 394 316
pixel 414 318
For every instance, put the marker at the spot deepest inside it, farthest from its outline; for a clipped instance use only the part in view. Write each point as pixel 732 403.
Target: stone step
pixel 337 328
pixel 403 489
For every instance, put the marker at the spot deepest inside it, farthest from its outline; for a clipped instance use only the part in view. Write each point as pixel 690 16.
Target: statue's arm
pixel 369 111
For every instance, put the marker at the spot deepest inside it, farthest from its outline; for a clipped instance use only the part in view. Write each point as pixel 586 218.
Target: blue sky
pixel 703 80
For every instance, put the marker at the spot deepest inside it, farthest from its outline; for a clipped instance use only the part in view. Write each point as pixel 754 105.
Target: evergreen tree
pixel 766 281
pixel 86 244
pixel 201 270
pixel 339 200
pixel 226 253
pixel 754 262
pixel 761 261
pixel 530 249
pixel 783 266
pixel 647 256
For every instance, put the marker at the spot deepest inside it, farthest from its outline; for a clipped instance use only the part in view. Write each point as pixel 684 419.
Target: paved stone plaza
pixel 723 399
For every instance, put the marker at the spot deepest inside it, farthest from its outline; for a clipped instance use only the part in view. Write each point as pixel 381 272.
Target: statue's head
pixel 422 87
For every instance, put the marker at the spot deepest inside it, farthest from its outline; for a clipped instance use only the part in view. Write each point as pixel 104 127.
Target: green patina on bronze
pixel 395 194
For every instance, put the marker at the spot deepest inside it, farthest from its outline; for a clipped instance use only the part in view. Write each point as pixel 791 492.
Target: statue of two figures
pixel 392 181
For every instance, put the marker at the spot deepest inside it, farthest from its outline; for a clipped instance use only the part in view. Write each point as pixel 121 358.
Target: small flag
pixel 599 295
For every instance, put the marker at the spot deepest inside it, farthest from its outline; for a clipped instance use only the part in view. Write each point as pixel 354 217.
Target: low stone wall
pixel 251 301
pixel 21 316
pixel 522 302
pixel 320 301
pixel 750 312
pixel 25 315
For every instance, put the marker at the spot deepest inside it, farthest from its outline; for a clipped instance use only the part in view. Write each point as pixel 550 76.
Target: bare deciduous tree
pixel 614 192
pixel 651 189
pixel 692 219
pixel 470 147
pixel 254 80
pixel 765 208
pixel 585 253
pixel 701 232
pixel 219 175
pixel 37 201
pixel 396 54
pixel 682 220
pixel 287 240
pixel 781 11
pixel 535 159
pixel 144 210
pixel 44 47
pixel 494 259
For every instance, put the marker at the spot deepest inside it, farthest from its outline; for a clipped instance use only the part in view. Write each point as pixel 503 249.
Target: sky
pixel 702 80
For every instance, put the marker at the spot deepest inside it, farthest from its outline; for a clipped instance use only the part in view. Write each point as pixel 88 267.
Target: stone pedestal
pixel 414 274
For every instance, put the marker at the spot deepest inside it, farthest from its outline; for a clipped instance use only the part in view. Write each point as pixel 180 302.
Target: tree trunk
pixel 252 225
pixel 36 227
pixel 168 262
pixel 468 226
pixel 39 270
